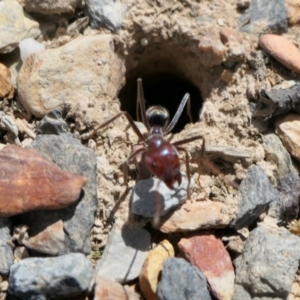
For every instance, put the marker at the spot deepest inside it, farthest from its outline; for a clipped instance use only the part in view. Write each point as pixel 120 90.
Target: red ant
pixel 161 156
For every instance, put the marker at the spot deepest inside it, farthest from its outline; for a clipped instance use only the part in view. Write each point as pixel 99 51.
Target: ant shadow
pixel 152 193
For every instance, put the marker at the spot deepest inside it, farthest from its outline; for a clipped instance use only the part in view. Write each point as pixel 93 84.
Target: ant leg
pixel 188 173
pixel 122 113
pixel 156 217
pixel 208 164
pixel 178 113
pixel 188 140
pixel 126 163
pixel 140 101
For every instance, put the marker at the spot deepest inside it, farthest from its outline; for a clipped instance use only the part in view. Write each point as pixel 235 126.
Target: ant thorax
pixel 158 116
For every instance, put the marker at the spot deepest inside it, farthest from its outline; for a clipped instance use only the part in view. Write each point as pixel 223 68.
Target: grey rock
pixel 256 60
pixel 105 13
pixel 6 253
pixel 277 154
pixel 70 155
pixel 256 192
pixel 279 101
pixel 124 254
pixel 240 293
pixel 263 16
pixel 269 262
pixel 48 7
pixel 181 280
pixel 147 192
pixel 49 278
pixel 286 207
pixel 53 123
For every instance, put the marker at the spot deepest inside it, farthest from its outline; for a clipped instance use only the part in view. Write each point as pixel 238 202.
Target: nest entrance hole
pixel 165 87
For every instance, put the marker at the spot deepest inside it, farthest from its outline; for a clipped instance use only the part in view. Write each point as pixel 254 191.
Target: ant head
pixel 158 116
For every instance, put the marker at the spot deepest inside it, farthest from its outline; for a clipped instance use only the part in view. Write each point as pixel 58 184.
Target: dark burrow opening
pixel 163 88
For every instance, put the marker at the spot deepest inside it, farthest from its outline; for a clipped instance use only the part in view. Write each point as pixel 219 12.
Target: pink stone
pixel 106 289
pixel 282 50
pixel 210 256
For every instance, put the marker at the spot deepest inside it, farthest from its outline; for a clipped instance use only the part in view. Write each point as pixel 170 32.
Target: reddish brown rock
pixel 50 241
pixel 196 215
pixel 6 88
pixel 209 254
pixel 282 50
pixel 288 129
pixel 213 50
pixel 30 182
pixel 152 267
pixel 229 35
pixel 106 289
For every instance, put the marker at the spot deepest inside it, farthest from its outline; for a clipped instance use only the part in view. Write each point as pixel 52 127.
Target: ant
pixel 161 156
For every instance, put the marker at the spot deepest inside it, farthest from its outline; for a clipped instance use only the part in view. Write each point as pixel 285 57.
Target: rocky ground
pixel 70 226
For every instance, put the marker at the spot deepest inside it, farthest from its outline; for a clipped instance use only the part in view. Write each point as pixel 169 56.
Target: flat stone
pixel 111 290
pixel 210 256
pixel 196 215
pixel 53 277
pixel 57 79
pixel 256 192
pixel 181 280
pixel 277 154
pixel 263 17
pixel 148 191
pixel 124 254
pixel 48 7
pixel 29 182
pixel 6 252
pixel 269 263
pixel 152 267
pixel 282 50
pixel 287 128
pixel 6 88
pixel 107 13
pixel 15 25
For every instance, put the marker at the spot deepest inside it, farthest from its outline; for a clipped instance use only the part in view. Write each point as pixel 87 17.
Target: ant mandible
pixel 161 156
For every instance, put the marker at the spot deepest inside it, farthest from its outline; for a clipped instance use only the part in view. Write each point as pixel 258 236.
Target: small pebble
pixel 282 50
pixel 144 42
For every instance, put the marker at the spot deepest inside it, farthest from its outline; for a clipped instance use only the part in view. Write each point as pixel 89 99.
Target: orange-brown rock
pixel 106 289
pixel 30 182
pixel 6 88
pixel 152 268
pixel 50 241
